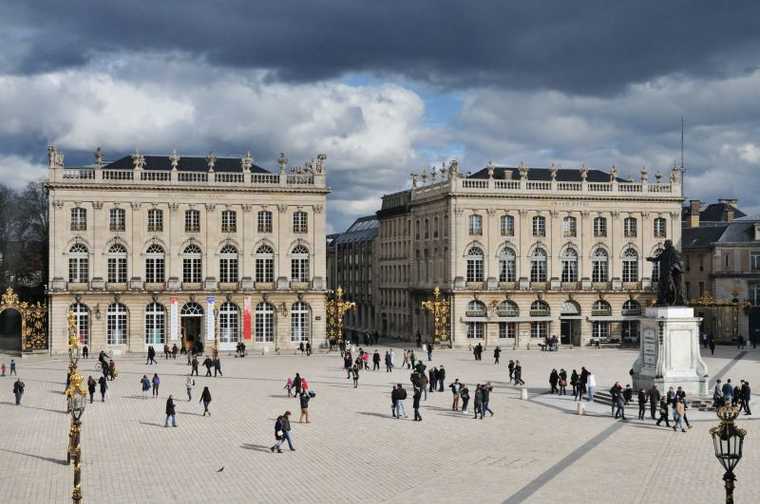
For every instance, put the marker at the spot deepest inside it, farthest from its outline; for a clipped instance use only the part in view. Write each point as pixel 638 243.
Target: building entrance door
pixel 754 325
pixel 192 317
pixel 570 332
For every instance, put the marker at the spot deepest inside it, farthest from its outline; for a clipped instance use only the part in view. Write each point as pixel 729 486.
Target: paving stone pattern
pixel 536 451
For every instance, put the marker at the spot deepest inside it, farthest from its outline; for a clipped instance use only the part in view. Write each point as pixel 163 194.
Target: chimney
pixel 729 205
pixel 695 206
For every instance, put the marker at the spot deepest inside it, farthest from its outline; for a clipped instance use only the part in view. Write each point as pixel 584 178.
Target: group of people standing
pixel 740 395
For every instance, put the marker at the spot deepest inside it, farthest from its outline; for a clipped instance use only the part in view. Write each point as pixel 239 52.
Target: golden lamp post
pixel 439 308
pixel 76 394
pixel 728 441
pixel 336 310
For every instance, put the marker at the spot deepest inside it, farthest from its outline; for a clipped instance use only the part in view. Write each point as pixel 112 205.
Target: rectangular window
pixel 660 227
pixel 507 329
pixel 476 225
pixel 78 219
pixel 754 294
pixel 600 227
pixel 229 221
pixel 117 219
pixel 117 325
pixel 569 227
pixel 507 225
pixel 117 269
pixel 155 220
pixel 538 330
pixel 630 228
pixel 192 221
pixel 539 226
pixel 475 330
pixel 300 222
pixel 600 330
pixel 264 221
pixel 754 262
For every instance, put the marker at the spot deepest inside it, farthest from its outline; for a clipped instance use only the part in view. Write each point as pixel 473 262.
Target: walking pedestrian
pixel 746 397
pixel 282 432
pixel 680 411
pixel 574 379
pixel 711 344
pixel 433 374
pixel 455 390
pixel 85 352
pixel 416 404
pixel 376 360
pixel 206 400
pixel 189 384
pixel 400 409
pixel 156 382
pixel 590 385
pixel 496 354
pixel 642 403
pixel 13 368
pixel 562 382
pixel 194 368
pixel 91 384
pixel 297 384
pixel 485 392
pixel 308 349
pixel 208 363
pixel 355 376
pixel 18 389
pixel 518 374
pixel 553 380
pixel 663 412
pixel 304 399
pixel 151 356
pixel 217 366
pixel 103 388
pixel 441 377
pixel 145 382
pixel 511 368
pixel 478 404
pixel 430 351
pixel 388 365
pixel 2 368
pixel 170 412
pixel 654 399
pixel 465 395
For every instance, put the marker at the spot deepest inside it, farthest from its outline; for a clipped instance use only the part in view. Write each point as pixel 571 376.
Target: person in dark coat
pixel 518 374
pixel 206 400
pixel 376 361
pixel 464 394
pixel 654 400
pixel 496 354
pixel 18 390
pixel 218 366
pixel 746 397
pixel 433 374
pixel 304 399
pixel 485 394
pixel 151 356
pixel 282 432
pixel 663 412
pixel 553 380
pixel 103 387
pixel 208 363
pixel 441 377
pixel 85 352
pixel 297 384
pixel 478 403
pixel 91 383
pixel 416 404
pixel 194 368
pixel 170 412
pixel 355 375
pixel 642 403
pixel 394 400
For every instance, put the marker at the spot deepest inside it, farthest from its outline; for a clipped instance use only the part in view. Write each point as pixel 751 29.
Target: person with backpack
pixel 400 402
pixel 282 432
pixel 304 399
pixel 206 400
pixel 465 396
pixel 91 383
pixel 18 390
pixel 170 412
pixel 145 382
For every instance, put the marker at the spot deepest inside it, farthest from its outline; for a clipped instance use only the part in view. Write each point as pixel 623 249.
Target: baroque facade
pixel 524 253
pixel 187 250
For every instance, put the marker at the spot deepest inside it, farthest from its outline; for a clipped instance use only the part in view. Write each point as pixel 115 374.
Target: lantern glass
pixel 78 403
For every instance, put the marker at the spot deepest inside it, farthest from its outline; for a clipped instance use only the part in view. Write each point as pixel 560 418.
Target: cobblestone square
pixel 535 451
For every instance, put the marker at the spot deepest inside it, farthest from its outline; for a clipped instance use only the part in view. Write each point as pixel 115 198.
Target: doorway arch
pixel 10 330
pixel 191 317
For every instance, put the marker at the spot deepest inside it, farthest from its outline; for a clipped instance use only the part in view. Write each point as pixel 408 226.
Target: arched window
pixel 300 322
pixel 229 323
pixel 79 264
pixel 600 227
pixel 475 264
pixel 601 308
pixel 191 310
pixel 82 321
pixel 569 265
pixel 507 225
pixel 435 227
pixel 630 227
pixel 427 229
pixel 154 264
pixel 539 308
pixel 569 227
pixel 476 308
pixel 78 219
pixel 631 308
pixel 117 264
pixel 656 267
pixel 507 308
pixel 299 264
pixel 538 265
pixel 191 264
pixel 265 264
pixel 539 226
pixel 155 316
pixel 660 228
pixel 507 265
pixel 476 224
pixel 264 323
pixel 570 308
pixel 116 324
pixel 600 266
pixel 630 265
pixel 228 264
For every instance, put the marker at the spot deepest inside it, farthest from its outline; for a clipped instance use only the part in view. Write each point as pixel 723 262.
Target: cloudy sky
pixel 387 88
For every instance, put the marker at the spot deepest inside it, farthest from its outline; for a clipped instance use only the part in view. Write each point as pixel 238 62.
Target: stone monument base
pixel 669 352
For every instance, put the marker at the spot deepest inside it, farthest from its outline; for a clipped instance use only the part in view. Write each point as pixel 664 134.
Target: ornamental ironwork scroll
pixel 33 321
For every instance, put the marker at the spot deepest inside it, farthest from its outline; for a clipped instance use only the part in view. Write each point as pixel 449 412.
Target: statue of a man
pixel 669 285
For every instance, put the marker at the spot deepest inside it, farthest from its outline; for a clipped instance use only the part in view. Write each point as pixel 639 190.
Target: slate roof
pixel 363 229
pixel 740 231
pixel 701 237
pixel 712 213
pixel 544 174
pixel 186 163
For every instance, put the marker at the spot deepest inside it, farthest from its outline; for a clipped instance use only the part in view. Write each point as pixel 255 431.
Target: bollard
pixel 580 408
pixel 524 394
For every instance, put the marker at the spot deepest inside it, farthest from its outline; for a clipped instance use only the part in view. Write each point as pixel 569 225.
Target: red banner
pixel 247 319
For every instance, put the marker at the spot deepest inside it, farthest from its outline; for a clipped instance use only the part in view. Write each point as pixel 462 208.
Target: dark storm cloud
pixel 578 47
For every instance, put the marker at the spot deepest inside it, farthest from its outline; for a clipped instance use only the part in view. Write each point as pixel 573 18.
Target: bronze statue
pixel 669 285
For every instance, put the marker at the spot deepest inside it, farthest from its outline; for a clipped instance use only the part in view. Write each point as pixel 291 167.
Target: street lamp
pixel 728 440
pixel 76 394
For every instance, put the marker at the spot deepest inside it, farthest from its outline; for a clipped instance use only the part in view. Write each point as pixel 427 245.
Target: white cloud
pixel 17 171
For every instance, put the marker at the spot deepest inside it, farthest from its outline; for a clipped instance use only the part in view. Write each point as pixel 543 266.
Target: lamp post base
pixel 729 478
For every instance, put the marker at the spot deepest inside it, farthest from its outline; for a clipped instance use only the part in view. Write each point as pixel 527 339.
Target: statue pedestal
pixel 669 351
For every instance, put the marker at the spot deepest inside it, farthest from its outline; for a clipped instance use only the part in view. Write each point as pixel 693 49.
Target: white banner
pixel 210 323
pixel 173 320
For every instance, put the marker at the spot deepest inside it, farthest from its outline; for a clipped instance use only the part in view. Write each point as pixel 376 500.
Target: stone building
pixel 172 249
pixel 523 253
pixel 351 265
pixel 721 248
